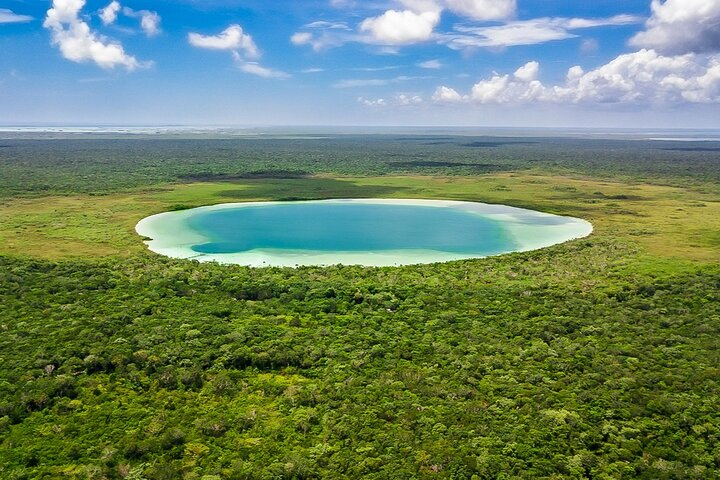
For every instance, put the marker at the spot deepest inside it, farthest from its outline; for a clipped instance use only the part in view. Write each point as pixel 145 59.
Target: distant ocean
pixel 314 132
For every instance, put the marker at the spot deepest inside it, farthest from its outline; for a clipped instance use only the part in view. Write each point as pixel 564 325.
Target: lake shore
pixel 171 235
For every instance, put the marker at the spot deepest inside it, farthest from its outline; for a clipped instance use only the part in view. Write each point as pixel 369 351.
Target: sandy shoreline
pixel 170 235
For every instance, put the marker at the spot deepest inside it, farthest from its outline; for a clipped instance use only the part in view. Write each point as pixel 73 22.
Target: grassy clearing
pixel 670 222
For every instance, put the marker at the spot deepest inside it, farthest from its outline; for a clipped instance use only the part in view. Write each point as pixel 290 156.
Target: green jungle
pixel 595 359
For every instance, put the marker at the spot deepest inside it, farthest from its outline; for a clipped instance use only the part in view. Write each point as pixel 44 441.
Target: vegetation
pixel 98 164
pixel 593 359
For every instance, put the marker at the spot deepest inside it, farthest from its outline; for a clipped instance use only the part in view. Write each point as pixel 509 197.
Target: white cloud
pixel 495 90
pixel 324 35
pixel 639 77
pixel 255 68
pixel 78 43
pixel 431 64
pixel 407 100
pixel 241 46
pixel 301 38
pixel 379 102
pixel 400 100
pixel 149 21
pixel 577 23
pixel 528 72
pixel 418 20
pixel 109 14
pixel 400 27
pixel 446 95
pixel 413 24
pixel 507 89
pixel 8 16
pixel 421 6
pixel 528 32
pixel 647 76
pixel 484 9
pixel 328 25
pixel 682 26
pixel 232 38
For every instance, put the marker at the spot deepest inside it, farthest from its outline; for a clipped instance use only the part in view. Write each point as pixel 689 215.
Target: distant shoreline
pixel 315 132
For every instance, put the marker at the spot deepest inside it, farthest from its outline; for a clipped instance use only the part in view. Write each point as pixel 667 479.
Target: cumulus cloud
pixel 528 72
pixel 521 87
pixel 109 14
pixel 528 32
pixel 401 27
pixel 484 9
pixel 647 76
pixel 447 95
pixel 682 26
pixel 78 43
pixel 8 16
pixel 640 77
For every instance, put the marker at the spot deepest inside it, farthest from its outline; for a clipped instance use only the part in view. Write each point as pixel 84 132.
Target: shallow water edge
pixel 170 235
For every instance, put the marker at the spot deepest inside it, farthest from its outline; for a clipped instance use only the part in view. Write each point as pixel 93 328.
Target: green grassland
pixel 598 358
pixel 666 221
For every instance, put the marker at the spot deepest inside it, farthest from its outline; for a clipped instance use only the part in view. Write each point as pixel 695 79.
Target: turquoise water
pixel 372 232
pixel 349 228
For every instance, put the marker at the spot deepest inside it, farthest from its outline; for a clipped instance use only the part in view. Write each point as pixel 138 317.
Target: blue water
pixel 349 228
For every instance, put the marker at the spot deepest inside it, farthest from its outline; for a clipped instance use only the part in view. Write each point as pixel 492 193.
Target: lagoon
pixel 370 232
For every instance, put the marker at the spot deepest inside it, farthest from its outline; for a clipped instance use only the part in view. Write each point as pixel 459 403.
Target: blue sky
pixel 600 63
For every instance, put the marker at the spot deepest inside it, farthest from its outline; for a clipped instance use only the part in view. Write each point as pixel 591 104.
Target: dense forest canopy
pixel 76 163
